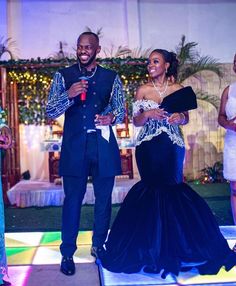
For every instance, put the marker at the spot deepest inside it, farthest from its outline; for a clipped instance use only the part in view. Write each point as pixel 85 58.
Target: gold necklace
pixel 86 73
pixel 161 93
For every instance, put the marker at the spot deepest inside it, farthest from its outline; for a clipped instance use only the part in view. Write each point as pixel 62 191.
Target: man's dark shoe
pixel 97 251
pixel 67 265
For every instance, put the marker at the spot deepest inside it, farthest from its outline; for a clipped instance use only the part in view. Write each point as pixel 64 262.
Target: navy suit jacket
pixel 79 117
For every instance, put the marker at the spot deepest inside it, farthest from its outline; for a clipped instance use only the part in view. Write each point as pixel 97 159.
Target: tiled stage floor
pixel 34 259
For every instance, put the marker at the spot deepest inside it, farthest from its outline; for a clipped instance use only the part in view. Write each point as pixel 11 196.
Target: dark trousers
pixel 75 188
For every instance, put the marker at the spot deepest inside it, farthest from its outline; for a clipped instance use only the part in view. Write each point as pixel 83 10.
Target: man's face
pixel 87 50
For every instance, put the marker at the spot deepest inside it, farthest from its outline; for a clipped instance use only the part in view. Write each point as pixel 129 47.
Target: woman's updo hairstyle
pixel 170 58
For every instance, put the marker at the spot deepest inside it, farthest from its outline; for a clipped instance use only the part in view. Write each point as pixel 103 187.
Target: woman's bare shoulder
pixel 141 91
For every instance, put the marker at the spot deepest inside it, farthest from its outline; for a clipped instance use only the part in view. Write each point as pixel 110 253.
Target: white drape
pixel 31 157
pixel 35 160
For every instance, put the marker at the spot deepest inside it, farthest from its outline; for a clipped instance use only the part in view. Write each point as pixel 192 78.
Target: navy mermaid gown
pixel 163 224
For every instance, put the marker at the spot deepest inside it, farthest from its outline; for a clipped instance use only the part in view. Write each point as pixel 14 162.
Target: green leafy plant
pixel 34 76
pixel 7 46
pixel 213 174
pixel 191 63
pixel 61 54
pixel 212 99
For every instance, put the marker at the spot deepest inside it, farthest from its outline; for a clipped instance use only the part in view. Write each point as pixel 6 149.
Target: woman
pixel 227 119
pixel 163 225
pixel 5 143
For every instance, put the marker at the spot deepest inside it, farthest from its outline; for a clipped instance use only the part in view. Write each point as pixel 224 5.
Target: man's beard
pixel 89 62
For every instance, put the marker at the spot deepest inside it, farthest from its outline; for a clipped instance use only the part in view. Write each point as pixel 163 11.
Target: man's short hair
pixel 89 34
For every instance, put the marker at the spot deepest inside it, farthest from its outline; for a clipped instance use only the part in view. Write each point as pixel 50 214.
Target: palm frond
pixel 186 52
pixel 61 54
pixel 98 32
pixel 7 46
pixel 108 52
pixel 193 69
pixel 140 53
pixel 125 52
pixel 88 29
pixel 210 64
pixel 122 51
pixel 191 63
pixel 212 99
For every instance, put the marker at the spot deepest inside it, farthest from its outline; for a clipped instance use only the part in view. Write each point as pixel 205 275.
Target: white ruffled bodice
pixel 155 127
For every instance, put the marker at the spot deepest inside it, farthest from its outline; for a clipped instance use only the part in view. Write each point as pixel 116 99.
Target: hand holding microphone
pixel 85 83
pixel 78 88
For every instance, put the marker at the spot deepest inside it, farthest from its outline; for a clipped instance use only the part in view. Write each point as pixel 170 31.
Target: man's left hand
pixel 104 119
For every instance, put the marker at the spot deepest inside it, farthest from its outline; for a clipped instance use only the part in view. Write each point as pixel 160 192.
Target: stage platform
pixel 29 193
pixel 34 260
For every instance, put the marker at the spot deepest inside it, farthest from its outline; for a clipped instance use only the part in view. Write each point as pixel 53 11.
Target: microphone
pixel 83 78
pixel 83 94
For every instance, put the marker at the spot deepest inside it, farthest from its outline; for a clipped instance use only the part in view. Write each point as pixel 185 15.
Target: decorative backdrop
pixel 203 136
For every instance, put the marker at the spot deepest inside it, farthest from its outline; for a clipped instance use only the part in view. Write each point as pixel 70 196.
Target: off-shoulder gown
pixel 163 225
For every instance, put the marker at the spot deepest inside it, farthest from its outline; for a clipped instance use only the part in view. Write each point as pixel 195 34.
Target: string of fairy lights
pixel 34 78
pixel 33 84
pixel 33 88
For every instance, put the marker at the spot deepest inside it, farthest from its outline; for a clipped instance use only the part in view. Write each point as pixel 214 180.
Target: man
pixel 92 99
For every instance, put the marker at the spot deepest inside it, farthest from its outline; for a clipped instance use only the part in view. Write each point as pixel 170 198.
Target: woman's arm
pixel 222 118
pixel 181 118
pixel 142 117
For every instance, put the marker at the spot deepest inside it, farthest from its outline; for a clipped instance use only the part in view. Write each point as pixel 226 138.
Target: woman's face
pixel 156 65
